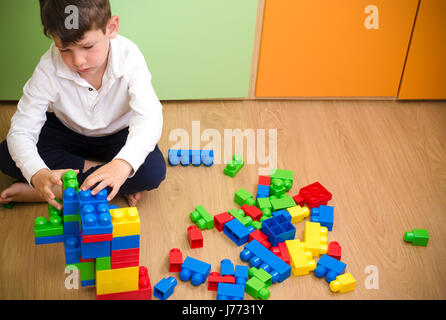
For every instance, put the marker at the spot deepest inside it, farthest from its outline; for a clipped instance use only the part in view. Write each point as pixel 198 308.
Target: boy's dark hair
pixel 92 14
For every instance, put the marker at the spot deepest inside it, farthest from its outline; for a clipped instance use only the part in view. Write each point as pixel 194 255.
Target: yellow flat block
pixel 125 222
pixel 298 213
pixel 117 280
pixel 315 238
pixel 301 260
pixel 343 283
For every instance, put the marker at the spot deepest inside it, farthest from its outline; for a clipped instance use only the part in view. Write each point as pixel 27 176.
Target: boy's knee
pixel 150 175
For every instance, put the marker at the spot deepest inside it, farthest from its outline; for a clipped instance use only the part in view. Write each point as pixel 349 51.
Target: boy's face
pixel 88 57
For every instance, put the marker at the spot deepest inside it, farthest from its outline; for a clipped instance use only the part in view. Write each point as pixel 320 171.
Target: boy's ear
pixel 112 27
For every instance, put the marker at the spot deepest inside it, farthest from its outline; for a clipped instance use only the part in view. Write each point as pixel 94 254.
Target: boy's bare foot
pixel 133 199
pixel 23 192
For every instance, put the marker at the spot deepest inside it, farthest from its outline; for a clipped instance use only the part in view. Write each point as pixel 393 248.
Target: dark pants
pixel 61 148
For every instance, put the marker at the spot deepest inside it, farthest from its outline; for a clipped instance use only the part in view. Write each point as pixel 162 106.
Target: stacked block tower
pixel 101 241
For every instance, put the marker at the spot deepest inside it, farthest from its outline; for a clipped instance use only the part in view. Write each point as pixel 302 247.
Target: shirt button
pixel 90 89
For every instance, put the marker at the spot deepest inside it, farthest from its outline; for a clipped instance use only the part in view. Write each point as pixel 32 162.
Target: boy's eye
pixel 89 47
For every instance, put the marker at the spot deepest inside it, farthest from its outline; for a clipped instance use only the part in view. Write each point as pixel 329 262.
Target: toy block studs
pixel 234 166
pixel 343 283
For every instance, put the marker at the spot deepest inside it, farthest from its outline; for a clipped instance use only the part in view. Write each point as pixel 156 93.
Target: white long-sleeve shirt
pixel 126 98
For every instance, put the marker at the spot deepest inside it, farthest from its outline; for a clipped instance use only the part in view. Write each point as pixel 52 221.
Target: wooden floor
pixel 383 161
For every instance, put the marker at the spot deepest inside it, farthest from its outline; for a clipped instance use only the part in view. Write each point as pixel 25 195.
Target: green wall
pixel 195 49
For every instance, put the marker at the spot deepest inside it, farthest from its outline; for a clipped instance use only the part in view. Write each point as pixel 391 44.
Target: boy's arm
pixel 27 123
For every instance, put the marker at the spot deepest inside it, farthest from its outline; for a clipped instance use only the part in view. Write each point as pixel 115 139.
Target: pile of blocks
pixel 101 241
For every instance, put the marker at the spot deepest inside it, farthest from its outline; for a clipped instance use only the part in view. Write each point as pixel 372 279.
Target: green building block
pixel 285 201
pixel 277 187
pixel 242 197
pixel 45 228
pixel 257 289
pixel 262 275
pixel 234 166
pixel 286 176
pixel 103 263
pixel 86 270
pixel 52 210
pixel 418 237
pixel 72 218
pixel 264 204
pixel 9 205
pixel 69 180
pixel 240 216
pixel 202 218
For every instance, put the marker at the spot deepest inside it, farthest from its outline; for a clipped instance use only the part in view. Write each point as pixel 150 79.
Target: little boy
pixel 89 106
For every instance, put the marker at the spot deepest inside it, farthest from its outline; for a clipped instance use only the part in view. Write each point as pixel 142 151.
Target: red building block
pixel 221 219
pixel 282 252
pixel 144 291
pixel 124 258
pixel 195 237
pixel 314 195
pixel 260 237
pixel 334 250
pixel 215 278
pixel 175 260
pixel 252 211
pixel 264 180
pixel 97 238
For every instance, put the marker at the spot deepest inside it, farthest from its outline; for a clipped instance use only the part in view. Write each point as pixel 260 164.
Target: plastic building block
pixel 202 218
pixel 195 270
pixel 125 222
pixel 144 291
pixel 418 237
pixel 314 195
pixel 334 250
pixel 86 283
pixel 70 199
pixel 278 229
pixel 229 291
pixel 284 213
pixel 264 181
pixel 285 175
pixel 282 252
pixel 264 204
pixel 221 219
pixel 72 250
pixel 315 238
pixel 97 238
pixel 117 280
pixel 262 191
pixel 240 216
pixel 343 283
pixel 242 197
pixel 282 203
pixel 175 260
pixel 324 215
pixel 96 219
pixel 85 197
pixel 260 257
pixel 226 267
pixel 329 267
pixel 260 237
pixel 124 258
pixel 234 166
pixel 45 228
pixel 50 239
pixel 262 275
pixel 215 278
pixel 103 263
pixel 96 249
pixel 164 289
pixel 69 180
pixel 86 270
pixel 9 205
pixel 277 188
pixel 298 213
pixel 301 259
pixel 195 237
pixel 257 289
pixel 126 242
pixel 241 274
pixel 252 211
pixel 71 228
pixel 237 232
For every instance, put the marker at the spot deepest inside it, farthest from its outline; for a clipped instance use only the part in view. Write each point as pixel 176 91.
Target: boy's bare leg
pixel 23 192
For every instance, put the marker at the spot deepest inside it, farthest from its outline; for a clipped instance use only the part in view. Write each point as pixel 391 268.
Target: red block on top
pixel 334 250
pixel 314 195
pixel 221 219
pixel 215 278
pixel 252 211
pixel 260 237
pixel 175 260
pixel 264 180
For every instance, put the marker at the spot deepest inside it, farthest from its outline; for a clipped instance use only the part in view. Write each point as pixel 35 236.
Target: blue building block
pixel 282 212
pixel 72 250
pixel 195 270
pixel 96 219
pixel 70 200
pixel 96 249
pixel 71 228
pixel 226 268
pixel 229 291
pixel 262 191
pixel 237 232
pixel 278 229
pixel 50 239
pixel 324 215
pixel 241 274
pixel 186 157
pixel 164 289
pixel 87 283
pixel 126 242
pixel 85 198
pixel 260 257
pixel 329 267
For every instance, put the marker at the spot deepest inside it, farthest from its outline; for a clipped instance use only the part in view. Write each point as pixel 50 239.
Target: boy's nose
pixel 79 61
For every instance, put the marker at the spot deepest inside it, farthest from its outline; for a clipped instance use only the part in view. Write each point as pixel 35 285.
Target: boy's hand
pixel 112 174
pixel 45 181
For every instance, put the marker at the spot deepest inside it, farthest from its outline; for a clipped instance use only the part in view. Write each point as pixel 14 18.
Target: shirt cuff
pixel 30 168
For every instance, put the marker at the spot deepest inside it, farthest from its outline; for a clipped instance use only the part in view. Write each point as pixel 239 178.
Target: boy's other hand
pixel 45 181
pixel 112 174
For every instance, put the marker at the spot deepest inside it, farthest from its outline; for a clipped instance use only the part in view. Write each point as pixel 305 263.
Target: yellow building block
pixel 315 238
pixel 298 213
pixel 125 222
pixel 343 283
pixel 117 280
pixel 301 260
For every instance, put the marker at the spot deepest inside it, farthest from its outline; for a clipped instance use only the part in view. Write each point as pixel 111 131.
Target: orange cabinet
pixel 425 72
pixel 326 48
